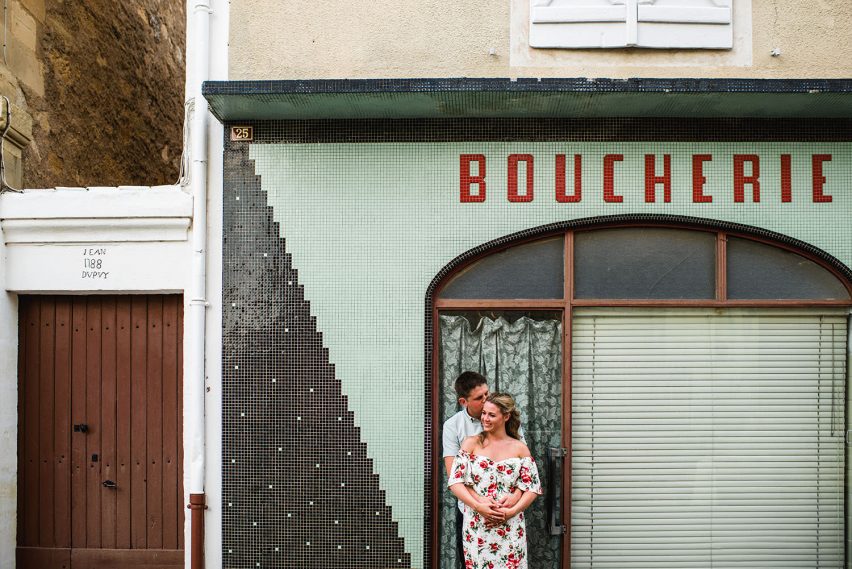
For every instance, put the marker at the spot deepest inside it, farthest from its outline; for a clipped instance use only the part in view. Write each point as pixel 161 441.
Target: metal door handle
pixel 554 455
pixel 109 484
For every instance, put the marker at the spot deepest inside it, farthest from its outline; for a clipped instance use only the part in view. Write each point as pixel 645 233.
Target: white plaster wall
pixel 270 39
pixel 8 421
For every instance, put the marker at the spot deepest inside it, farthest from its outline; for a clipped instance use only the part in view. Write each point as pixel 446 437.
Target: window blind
pixel 708 439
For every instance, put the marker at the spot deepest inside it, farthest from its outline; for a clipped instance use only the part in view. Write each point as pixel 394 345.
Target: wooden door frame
pixel 567 304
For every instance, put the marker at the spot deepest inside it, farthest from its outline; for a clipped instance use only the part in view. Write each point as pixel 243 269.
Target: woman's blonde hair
pixel 506 404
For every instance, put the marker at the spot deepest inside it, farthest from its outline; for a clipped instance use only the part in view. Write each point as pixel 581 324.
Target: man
pixel 472 391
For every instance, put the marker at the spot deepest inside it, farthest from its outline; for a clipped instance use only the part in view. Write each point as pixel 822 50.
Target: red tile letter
pixel 740 179
pixel 513 177
pixel 651 179
pixel 698 178
pixel 819 179
pixel 466 180
pixel 786 179
pixel 609 178
pixel 561 196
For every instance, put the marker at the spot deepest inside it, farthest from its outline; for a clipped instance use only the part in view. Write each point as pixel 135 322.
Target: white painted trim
pixel 98 230
pixel 123 201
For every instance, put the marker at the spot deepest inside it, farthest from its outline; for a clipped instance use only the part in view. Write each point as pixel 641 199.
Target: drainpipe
pixel 198 71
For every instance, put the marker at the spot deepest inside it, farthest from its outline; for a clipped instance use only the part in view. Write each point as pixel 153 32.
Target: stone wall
pixel 97 91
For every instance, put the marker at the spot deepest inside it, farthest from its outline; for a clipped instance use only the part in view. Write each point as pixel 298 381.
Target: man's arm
pixel 448 463
pixel 451 444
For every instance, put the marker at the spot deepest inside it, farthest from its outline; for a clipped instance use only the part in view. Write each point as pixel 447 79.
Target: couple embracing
pixel 492 474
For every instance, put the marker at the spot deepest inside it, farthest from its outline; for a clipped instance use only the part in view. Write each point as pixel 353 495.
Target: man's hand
pixel 508 501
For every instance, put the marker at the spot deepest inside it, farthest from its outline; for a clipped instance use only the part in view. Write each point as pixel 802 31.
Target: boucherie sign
pixel 699 178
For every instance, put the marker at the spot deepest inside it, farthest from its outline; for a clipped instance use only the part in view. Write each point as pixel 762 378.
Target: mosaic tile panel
pixel 298 487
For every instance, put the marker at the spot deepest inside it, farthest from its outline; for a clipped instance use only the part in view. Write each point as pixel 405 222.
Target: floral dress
pixel 503 546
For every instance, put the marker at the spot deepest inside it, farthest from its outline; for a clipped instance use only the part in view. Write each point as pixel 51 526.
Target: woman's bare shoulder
pixel 521 450
pixel 470 444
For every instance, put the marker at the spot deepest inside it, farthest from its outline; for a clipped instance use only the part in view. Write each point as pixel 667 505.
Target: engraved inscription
pixel 94 264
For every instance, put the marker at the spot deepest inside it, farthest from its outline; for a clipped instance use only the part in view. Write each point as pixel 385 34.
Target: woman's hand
pixel 491 511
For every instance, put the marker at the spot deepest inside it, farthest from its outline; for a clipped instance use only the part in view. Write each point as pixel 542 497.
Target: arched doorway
pixel 683 388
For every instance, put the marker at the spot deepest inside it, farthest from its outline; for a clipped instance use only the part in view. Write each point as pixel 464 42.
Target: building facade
pixel 632 216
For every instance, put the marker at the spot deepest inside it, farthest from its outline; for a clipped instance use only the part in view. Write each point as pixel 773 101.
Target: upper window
pixel 530 270
pixel 684 24
pixel 646 264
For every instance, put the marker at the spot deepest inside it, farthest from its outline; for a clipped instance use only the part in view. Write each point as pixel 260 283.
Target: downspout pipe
pixel 198 72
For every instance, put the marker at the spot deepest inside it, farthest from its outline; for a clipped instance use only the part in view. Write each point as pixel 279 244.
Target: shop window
pixel 681 389
pixel 532 270
pixel 684 24
pixel 760 271
pixel 644 263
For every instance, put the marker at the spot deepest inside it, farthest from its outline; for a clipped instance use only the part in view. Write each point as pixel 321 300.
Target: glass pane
pixel 531 270
pixel 760 271
pixel 652 263
pixel 520 354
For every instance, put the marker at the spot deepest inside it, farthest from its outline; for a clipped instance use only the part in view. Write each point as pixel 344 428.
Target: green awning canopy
pixel 509 98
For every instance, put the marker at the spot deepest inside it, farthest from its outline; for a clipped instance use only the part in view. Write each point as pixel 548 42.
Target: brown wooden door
pixel 100 390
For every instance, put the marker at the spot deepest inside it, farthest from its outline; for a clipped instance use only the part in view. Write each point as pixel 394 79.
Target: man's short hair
pixel 466 381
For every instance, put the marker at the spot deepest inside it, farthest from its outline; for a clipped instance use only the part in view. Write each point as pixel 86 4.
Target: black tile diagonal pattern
pixel 298 488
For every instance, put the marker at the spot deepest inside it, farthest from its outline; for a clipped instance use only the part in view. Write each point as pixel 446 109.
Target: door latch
pixel 109 484
pixel 81 428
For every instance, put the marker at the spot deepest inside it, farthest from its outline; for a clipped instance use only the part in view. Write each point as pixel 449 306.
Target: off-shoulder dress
pixel 503 546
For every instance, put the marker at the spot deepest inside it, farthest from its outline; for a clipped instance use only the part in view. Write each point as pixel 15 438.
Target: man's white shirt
pixel 456 429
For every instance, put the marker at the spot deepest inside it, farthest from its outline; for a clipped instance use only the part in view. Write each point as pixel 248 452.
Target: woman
pixel 488 467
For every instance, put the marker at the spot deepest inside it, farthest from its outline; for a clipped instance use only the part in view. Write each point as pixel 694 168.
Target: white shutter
pixel 578 23
pixel 708 439
pixel 622 23
pixel 685 24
